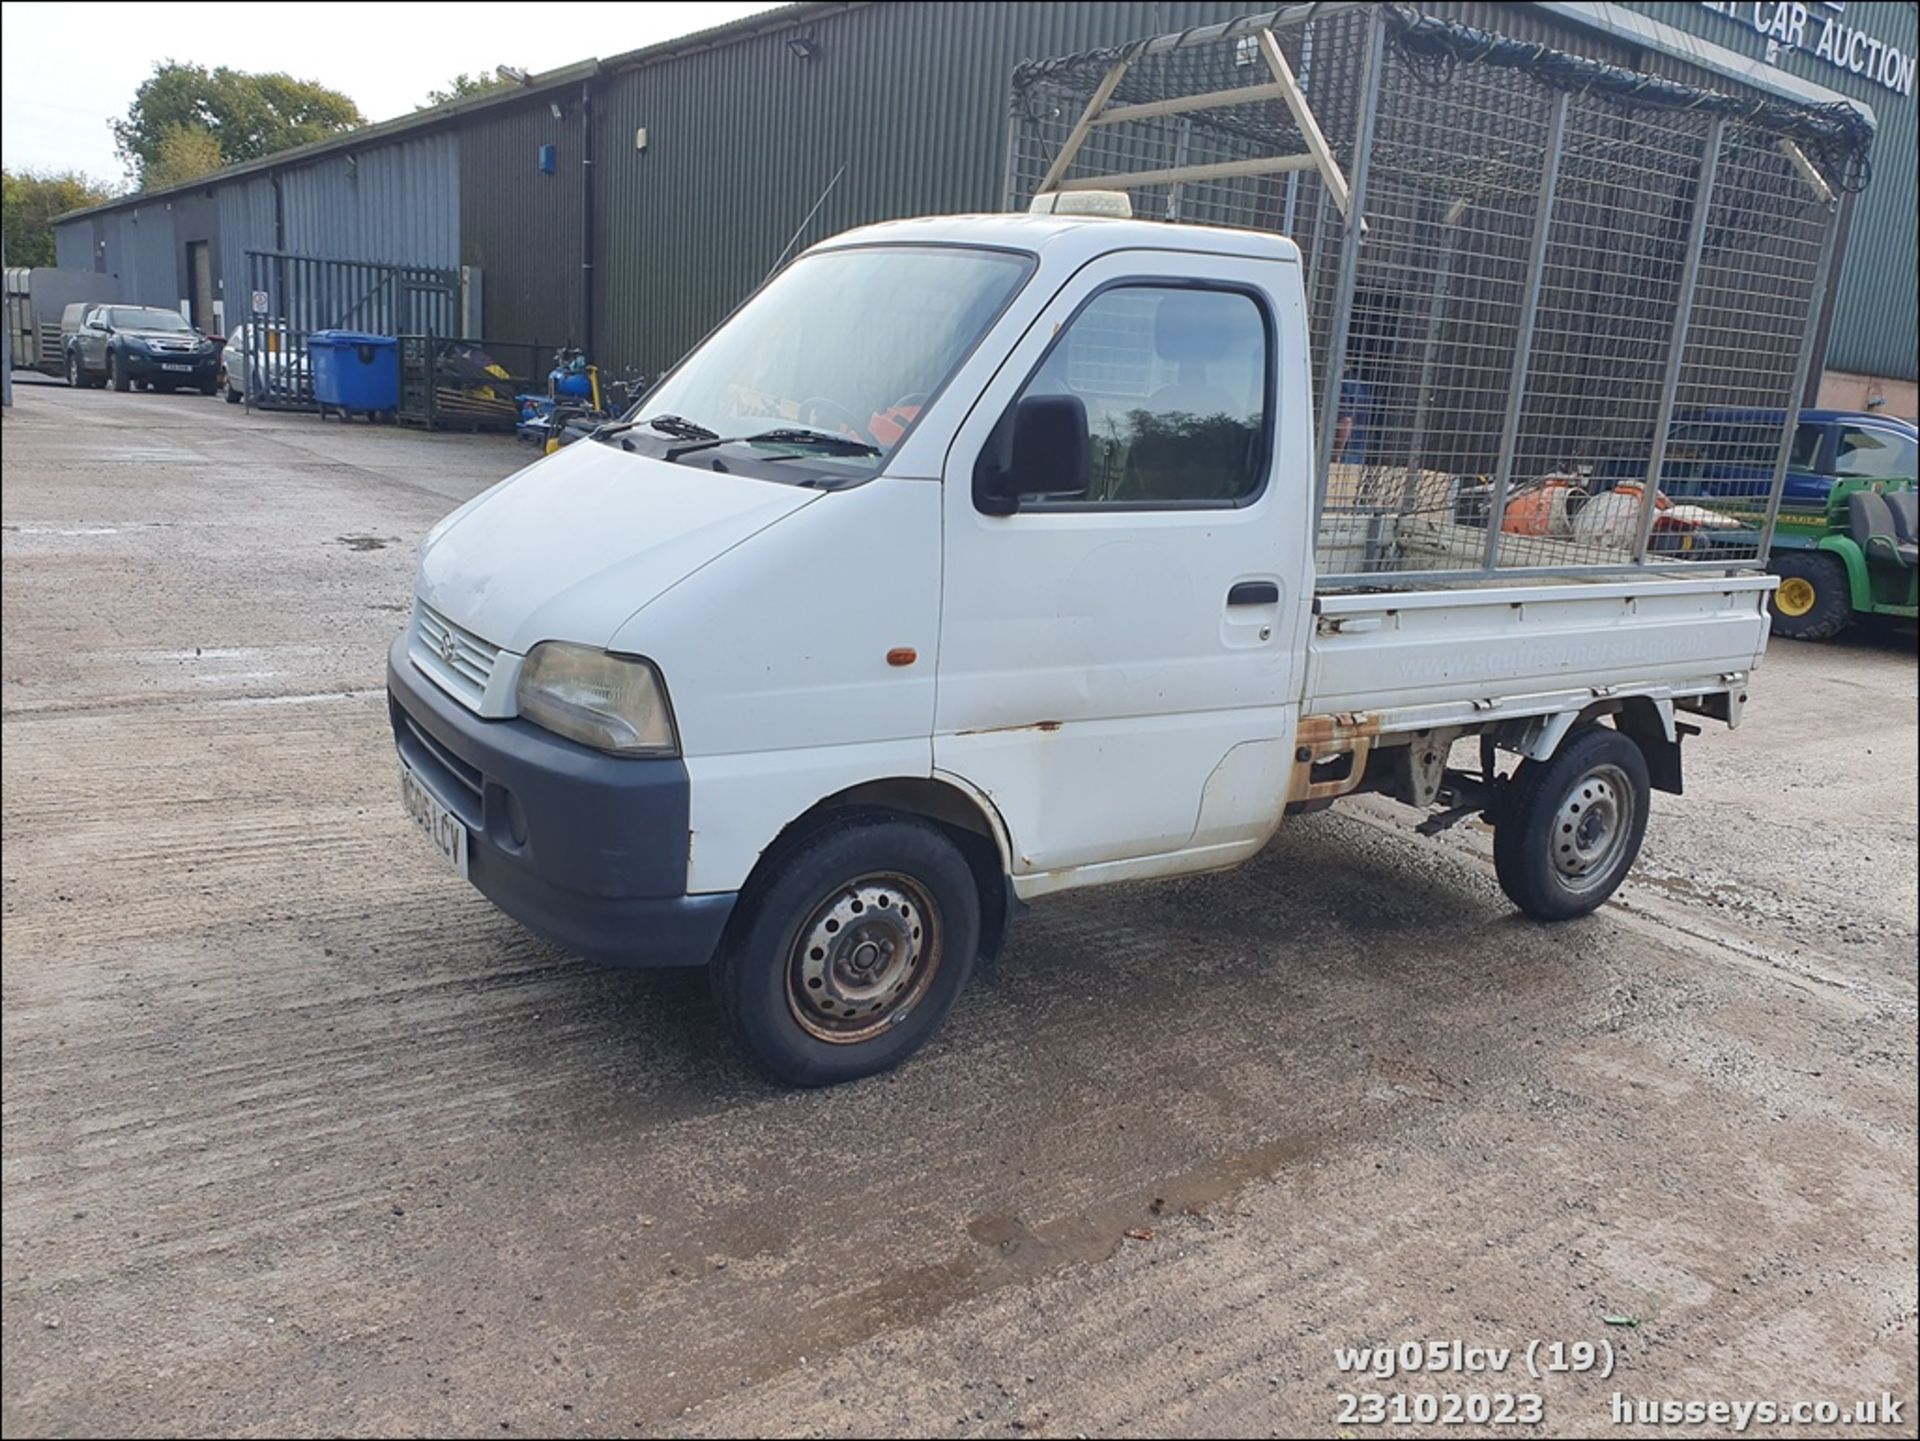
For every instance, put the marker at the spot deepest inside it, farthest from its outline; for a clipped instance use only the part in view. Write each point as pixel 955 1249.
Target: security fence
pixel 294 295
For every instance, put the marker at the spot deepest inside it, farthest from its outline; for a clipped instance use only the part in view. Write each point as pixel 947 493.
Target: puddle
pixel 367 542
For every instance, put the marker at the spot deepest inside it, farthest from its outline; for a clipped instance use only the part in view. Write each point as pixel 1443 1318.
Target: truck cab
pixel 970 561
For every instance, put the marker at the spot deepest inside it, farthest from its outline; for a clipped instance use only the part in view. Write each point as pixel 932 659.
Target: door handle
pixel 1254 592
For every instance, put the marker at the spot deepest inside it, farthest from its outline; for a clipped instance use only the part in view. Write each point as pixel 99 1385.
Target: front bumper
pixel 147 365
pixel 586 849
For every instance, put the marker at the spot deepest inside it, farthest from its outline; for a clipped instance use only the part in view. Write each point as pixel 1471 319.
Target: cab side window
pixel 1175 382
pixel 1874 455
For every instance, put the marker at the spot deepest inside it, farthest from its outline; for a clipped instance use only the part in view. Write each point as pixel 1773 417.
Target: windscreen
pixel 850 342
pixel 126 317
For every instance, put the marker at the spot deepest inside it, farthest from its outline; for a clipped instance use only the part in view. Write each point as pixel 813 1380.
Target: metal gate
pixel 291 296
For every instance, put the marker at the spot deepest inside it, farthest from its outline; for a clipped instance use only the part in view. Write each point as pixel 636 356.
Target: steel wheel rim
pixel 863 958
pixel 1591 827
pixel 1795 596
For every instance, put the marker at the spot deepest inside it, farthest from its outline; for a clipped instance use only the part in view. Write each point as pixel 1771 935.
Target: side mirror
pixel 1039 448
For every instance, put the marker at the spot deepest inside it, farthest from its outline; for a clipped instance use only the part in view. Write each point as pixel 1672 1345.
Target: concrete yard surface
pixel 300 1135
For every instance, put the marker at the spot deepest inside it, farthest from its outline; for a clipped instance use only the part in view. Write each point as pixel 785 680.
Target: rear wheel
pixel 1814 601
pixel 1569 829
pixel 850 950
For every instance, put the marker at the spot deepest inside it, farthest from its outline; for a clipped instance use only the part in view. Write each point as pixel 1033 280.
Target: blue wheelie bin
pixel 355 371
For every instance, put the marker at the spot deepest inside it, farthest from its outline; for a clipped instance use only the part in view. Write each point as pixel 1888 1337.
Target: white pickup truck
pixel 970 561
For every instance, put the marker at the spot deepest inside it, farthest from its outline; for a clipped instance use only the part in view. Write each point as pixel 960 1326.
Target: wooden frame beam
pixel 1309 127
pixel 1807 172
pixel 1082 129
pixel 1224 170
pixel 1181 104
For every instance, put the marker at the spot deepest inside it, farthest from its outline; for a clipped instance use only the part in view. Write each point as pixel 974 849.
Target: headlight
pixel 610 702
pixel 132 342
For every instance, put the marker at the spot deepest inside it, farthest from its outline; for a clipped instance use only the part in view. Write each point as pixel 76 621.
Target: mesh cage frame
pixel 1538 317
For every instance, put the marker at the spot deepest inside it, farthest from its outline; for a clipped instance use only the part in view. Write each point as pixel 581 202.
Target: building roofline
pixel 778 17
pixel 1638 29
pixel 350 139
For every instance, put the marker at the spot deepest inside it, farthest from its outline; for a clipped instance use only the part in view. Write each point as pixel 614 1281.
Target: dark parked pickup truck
pixel 125 345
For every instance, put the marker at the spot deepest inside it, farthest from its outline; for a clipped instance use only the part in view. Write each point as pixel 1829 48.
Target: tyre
pixel 850 950
pixel 1814 601
pixel 117 372
pixel 76 378
pixel 1568 829
pixel 233 396
pixel 208 387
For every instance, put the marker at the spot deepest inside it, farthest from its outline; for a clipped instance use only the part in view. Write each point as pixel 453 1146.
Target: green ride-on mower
pixel 1853 556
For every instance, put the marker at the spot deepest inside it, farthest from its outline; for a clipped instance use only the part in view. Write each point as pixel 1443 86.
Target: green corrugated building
pixel 712 154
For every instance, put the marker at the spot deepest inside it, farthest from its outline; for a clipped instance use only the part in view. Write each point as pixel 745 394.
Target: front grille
pixel 456 657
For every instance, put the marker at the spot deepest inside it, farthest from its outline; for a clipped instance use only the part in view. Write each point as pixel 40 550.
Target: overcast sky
pixel 67 69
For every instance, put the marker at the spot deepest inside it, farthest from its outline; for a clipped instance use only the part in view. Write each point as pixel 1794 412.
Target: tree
pixel 32 198
pixel 185 152
pixel 463 87
pixel 247 116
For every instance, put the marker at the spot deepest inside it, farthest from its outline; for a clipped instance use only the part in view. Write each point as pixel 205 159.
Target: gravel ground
pixel 301 1136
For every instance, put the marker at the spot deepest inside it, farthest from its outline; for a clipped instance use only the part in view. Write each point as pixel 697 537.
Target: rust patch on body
pixel 1046 727
pixel 1322 738
pixel 1328 730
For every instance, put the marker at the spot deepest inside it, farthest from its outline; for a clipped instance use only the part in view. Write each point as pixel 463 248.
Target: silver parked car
pixel 280 357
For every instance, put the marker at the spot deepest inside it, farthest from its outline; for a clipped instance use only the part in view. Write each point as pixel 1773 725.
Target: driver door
pixel 1117 668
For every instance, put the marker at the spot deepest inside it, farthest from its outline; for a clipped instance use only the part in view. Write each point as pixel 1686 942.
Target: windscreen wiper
pixel 678 426
pixel 809 439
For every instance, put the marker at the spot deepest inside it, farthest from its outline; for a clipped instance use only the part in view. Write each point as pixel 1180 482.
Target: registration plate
pixel 165 366
pixel 441 827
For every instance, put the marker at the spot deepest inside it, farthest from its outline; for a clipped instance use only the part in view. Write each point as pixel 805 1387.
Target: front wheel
pixel 75 378
pixel 117 372
pixel 1568 829
pixel 850 950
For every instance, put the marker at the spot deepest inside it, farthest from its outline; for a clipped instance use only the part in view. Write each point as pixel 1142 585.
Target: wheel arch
pixel 1846 550
pixel 969 819
pixel 1647 720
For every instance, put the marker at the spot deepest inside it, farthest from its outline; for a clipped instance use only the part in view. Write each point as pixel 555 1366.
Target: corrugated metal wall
pixel 1873 326
pixel 742 140
pixel 73 246
pixel 519 226
pixel 138 248
pixel 744 137
pixel 246 223
pixel 398 202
